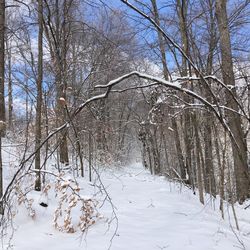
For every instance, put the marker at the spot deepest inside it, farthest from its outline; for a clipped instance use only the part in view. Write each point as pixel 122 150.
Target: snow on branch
pixel 156 80
pixel 228 88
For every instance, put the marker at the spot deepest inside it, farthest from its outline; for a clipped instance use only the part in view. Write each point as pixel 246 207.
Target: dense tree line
pixel 184 110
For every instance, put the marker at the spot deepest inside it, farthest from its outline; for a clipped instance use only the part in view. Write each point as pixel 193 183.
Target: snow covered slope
pixel 152 214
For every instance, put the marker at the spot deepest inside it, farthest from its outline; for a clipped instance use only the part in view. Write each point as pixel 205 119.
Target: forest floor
pixel 152 213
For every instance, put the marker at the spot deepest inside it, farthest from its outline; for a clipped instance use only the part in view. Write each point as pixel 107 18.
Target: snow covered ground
pixel 152 214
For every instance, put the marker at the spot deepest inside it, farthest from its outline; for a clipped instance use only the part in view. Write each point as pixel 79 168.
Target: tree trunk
pixel 39 97
pixel 179 150
pixel 2 102
pixel 198 161
pixel 160 40
pixel 90 155
pixel 10 89
pixel 180 157
pixel 239 145
pixel 1 177
pixel 62 86
pixel 210 184
pixel 188 128
pixel 58 51
pixel 2 47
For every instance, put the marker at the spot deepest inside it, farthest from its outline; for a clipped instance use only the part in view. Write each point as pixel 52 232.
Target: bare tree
pixel 195 65
pixel 57 30
pixel 239 144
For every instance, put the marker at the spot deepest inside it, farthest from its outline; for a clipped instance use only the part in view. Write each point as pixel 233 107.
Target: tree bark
pixel 39 97
pixel 90 155
pixel 198 163
pixel 10 89
pixel 1 178
pixel 2 58
pixel 239 145
pixel 2 102
pixel 210 184
pixel 57 35
pixel 188 133
pixel 160 40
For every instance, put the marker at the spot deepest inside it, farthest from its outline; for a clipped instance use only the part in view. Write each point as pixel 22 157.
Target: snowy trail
pixel 152 214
